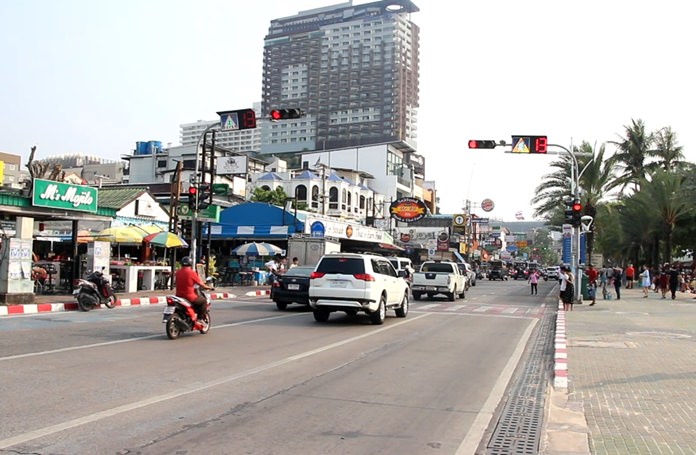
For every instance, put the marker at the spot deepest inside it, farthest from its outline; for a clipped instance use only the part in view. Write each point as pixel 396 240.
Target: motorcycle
pixel 179 316
pixel 94 290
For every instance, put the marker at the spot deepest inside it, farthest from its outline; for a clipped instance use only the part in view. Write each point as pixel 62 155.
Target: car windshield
pixel 347 266
pixel 436 268
pixel 300 271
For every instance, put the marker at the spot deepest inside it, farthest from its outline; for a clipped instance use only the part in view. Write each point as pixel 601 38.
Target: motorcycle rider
pixel 186 278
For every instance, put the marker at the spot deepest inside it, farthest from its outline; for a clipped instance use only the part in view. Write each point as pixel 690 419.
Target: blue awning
pixel 255 221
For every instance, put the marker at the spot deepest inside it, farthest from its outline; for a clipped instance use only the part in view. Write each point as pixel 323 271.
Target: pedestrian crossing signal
pixel 529 144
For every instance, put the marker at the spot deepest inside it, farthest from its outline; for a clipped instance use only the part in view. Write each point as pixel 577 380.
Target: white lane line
pixel 483 418
pixel 108 343
pixel 193 388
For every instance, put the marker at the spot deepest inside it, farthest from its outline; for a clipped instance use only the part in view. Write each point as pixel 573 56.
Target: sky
pixel 88 77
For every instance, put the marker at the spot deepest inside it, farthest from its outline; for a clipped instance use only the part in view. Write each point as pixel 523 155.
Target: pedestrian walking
pixel 592 276
pixel 534 281
pixel 618 276
pixel 664 280
pixel 603 281
pixel 673 281
pixel 645 281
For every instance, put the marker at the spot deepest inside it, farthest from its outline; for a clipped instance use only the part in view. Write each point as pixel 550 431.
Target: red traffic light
pixel 192 190
pixel 285 114
pixel 478 144
pixel 577 206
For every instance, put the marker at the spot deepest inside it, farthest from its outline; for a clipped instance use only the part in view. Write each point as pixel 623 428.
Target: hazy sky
pixel 94 77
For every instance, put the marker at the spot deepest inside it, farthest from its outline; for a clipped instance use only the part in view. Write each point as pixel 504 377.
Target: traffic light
pixel 193 197
pixel 286 114
pixel 477 144
pixel 577 213
pixel 204 196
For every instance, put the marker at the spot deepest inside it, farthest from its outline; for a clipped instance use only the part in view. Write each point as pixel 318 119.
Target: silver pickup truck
pixel 436 277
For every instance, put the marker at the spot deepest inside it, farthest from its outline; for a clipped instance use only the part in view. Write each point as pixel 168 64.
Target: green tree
pixel 669 154
pixel 633 149
pixel 275 197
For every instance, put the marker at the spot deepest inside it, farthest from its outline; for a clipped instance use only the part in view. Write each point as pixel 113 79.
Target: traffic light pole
pixel 575 174
pixel 196 180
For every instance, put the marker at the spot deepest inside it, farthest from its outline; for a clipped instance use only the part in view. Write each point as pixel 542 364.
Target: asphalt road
pixel 264 381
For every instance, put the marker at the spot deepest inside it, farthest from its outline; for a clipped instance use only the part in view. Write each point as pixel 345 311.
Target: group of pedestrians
pixel 665 279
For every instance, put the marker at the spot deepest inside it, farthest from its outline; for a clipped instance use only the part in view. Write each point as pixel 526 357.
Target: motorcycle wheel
pixel 172 327
pixel 207 320
pixel 110 302
pixel 84 302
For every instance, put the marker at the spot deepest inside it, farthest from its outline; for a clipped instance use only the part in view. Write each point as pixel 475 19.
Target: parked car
pixel 292 287
pixel 468 271
pixel 352 282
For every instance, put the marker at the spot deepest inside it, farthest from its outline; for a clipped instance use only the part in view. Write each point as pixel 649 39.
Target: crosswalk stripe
pixel 431 305
pixel 455 307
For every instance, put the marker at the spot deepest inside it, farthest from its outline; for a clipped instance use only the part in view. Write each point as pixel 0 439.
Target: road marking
pixel 483 418
pixel 455 307
pixel 192 389
pixel 429 306
pixel 108 343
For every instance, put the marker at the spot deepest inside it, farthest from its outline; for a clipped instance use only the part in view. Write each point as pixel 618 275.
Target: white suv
pixel 357 282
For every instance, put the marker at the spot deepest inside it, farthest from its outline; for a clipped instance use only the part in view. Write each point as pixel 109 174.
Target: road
pixel 264 381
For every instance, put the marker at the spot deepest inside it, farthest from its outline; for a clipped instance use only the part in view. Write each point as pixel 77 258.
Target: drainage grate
pixel 518 431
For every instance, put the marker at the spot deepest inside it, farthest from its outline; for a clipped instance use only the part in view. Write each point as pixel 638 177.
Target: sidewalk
pixel 57 302
pixel 631 377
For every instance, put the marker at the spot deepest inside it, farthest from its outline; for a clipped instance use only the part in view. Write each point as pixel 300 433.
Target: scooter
pixel 93 291
pixel 179 316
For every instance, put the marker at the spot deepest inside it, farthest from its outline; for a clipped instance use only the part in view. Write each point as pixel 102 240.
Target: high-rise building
pixel 353 69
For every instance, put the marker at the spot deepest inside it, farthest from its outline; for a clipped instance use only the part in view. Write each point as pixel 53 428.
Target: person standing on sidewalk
pixel 645 281
pixel 630 275
pixel 592 276
pixel 534 281
pixel 664 280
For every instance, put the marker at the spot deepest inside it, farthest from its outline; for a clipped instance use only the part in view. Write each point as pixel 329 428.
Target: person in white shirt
pixel 295 263
pixel 272 267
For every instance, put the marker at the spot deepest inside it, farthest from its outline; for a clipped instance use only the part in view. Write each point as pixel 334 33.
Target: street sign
pixel 210 213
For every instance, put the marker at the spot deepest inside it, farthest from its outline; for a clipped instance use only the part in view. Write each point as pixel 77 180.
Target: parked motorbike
pixel 94 290
pixel 179 316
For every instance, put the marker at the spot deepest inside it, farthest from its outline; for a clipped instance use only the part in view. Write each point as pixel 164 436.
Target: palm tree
pixel 670 155
pixel 664 196
pixel 632 152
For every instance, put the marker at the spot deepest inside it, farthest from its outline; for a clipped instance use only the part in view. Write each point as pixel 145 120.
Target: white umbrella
pixel 257 249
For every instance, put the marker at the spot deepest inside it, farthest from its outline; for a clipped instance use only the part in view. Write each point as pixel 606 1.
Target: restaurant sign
pixel 66 196
pixel 408 209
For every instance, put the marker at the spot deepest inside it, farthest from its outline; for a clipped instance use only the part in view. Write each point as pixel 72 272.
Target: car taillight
pixel 276 284
pixel 364 277
pixel 316 275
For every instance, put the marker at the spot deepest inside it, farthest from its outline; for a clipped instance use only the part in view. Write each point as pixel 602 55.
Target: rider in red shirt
pixel 186 278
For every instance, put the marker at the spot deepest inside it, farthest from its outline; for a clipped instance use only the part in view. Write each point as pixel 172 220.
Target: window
pixel 333 198
pixel 301 193
pixel 315 196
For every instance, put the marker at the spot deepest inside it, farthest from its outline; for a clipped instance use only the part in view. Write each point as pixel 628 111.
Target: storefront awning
pixel 255 220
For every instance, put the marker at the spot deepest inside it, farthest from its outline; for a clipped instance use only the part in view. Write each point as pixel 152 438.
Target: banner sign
pixel 64 196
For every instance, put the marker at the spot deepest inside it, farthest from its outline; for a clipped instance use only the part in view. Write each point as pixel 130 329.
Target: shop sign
pixel 65 196
pixel 407 209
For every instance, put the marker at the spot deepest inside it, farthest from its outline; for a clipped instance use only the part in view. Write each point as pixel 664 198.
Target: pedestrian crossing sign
pixel 522 145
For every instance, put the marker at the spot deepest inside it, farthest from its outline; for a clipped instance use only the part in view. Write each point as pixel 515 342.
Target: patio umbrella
pixel 165 239
pixel 120 234
pixel 257 249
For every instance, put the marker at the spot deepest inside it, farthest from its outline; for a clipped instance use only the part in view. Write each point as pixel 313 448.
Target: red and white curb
pixel 11 310
pixel 253 293
pixel 560 357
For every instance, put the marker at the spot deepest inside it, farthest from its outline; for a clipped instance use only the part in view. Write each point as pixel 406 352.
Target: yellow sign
pixel 462 247
pixel 2 172
pixel 521 244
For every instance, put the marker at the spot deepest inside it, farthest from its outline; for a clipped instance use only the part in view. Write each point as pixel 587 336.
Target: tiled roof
pixel 270 176
pixel 117 198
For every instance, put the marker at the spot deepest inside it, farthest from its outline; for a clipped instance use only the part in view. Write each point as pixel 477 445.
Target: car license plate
pixel 168 310
pixel 430 288
pixel 293 287
pixel 338 283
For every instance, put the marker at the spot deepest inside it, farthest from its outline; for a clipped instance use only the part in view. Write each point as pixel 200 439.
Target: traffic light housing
pixel 204 196
pixel 286 114
pixel 479 144
pixel 576 208
pixel 193 197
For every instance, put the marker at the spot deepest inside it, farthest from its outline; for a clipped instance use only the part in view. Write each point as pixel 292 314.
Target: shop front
pixel 49 201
